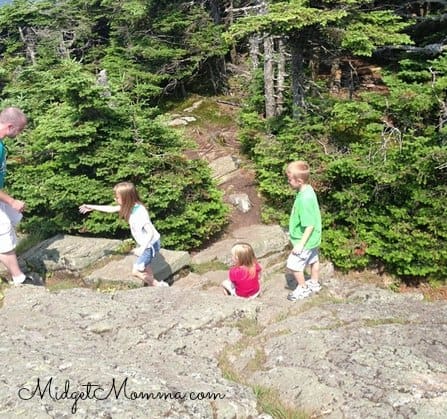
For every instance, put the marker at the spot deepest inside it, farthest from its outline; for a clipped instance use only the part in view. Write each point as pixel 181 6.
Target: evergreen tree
pixel 316 30
pixel 378 156
pixel 92 123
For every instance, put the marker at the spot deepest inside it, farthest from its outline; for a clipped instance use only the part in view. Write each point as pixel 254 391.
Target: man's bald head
pixel 12 122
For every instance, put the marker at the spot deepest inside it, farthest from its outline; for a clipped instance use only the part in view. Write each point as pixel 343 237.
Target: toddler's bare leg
pixel 138 274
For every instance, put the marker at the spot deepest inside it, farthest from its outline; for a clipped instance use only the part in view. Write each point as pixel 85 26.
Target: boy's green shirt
pixel 305 213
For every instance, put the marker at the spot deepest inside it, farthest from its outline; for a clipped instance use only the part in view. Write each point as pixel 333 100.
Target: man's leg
pixel 9 218
pixel 9 259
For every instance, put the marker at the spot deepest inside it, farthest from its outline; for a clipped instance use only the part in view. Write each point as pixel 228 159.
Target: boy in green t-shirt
pixel 304 231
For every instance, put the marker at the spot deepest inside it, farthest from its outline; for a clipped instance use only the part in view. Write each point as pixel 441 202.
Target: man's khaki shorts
pixel 9 218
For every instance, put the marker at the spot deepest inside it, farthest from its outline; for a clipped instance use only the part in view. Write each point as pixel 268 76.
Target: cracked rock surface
pixel 353 351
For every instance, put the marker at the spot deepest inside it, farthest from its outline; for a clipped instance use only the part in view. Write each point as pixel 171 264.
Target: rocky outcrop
pixel 270 244
pixel 71 253
pixel 354 350
pixel 223 168
pixel 98 260
pixel 150 352
pixel 165 266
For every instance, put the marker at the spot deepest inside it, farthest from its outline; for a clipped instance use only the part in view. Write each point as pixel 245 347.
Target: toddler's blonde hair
pixel 244 255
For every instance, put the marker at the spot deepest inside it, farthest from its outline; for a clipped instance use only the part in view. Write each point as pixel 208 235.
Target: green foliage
pixel 185 204
pixel 379 169
pixel 379 161
pixel 370 30
pixel 87 136
pixel 283 17
pixel 355 26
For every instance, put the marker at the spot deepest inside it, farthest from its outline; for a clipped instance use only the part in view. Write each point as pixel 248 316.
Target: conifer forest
pixel 358 88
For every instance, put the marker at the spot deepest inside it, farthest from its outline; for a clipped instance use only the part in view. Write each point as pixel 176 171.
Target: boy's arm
pixel 84 208
pixel 298 248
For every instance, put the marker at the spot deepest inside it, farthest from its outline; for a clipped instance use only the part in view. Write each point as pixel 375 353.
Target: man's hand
pixel 18 205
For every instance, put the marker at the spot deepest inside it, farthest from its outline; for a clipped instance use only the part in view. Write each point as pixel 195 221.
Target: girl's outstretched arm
pixel 84 208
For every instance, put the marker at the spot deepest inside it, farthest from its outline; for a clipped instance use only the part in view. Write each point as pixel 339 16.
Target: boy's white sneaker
pixel 299 293
pixel 314 287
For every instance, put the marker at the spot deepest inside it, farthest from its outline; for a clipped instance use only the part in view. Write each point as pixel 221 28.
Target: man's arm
pixel 14 203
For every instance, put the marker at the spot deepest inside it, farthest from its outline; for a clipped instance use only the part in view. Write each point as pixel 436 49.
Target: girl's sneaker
pixel 299 293
pixel 160 283
pixel 314 287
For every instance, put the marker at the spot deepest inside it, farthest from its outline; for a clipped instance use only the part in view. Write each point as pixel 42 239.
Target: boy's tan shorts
pixel 298 263
pixel 9 218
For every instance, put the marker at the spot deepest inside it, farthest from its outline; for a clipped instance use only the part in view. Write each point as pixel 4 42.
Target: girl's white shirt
pixel 141 227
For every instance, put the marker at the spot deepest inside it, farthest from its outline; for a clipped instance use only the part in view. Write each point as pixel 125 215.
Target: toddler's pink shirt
pixel 245 285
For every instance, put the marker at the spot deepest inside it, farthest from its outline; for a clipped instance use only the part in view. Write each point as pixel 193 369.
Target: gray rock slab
pixel 205 282
pixel 222 167
pixel 194 106
pixel 241 201
pixel 352 351
pixel 177 122
pixel 265 240
pixel 148 352
pixel 165 265
pixel 66 252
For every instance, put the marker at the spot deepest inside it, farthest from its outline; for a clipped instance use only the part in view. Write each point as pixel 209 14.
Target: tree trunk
pixel 336 73
pixel 254 51
pixel 297 76
pixel 30 45
pixel 443 115
pixel 233 52
pixel 269 88
pixel 215 11
pixel 281 77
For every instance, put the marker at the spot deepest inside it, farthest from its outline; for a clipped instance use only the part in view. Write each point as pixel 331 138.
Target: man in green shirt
pixel 304 231
pixel 12 123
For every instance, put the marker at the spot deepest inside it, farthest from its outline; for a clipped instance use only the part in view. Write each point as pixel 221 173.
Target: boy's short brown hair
pixel 299 170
